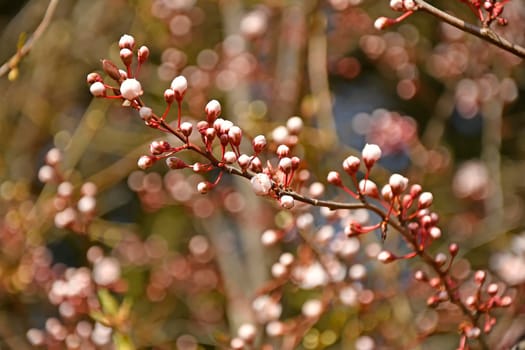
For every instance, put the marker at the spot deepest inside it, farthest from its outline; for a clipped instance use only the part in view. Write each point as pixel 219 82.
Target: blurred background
pixel 446 109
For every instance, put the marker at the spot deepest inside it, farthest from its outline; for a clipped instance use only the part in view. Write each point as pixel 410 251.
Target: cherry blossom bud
pixel 453 249
pixel 213 110
pixel 230 157
pixel 261 184
pixel 247 332
pixel 420 276
pixel 351 165
pixel 280 134
pixel 425 200
pixel 397 5
pixel 480 276
pixel 186 128
pixel 370 154
pixel 286 259
pixel 126 41
pixel 434 232
pixel 368 188
pixel 145 113
pixel 53 156
pixel 385 256
pixel 473 332
pixel 387 193
pixel 296 161
pixel 410 5
pixel 286 201
pixel 224 139
pixel 285 165
pixel 179 86
pixel 398 183
pixel 440 259
pixel 294 125
pixel 235 135
pixel 46 174
pixel 283 151
pixel 123 74
pixel 93 77
pixel 256 164
pixel 244 161
pixel 175 163
pixel 65 189
pixel 169 96
pixel 97 89
pixel 258 143
pixel 203 187
pixel 210 134
pixel 131 89
pixel 279 270
pixel 312 308
pixel 334 178
pixel 415 190
pixel 126 55
pixel 382 22
pixel 492 289
pixel 106 271
pixel 159 147
pixel 86 204
pixel 225 127
pixel 143 54
pixel 146 162
pixel 505 301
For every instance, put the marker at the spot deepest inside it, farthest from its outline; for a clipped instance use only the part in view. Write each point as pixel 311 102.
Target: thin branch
pixel 28 45
pixel 484 33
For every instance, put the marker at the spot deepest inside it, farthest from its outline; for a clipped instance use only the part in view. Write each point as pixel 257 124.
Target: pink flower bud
pixel 46 174
pixel 213 110
pixel 294 125
pixel 368 188
pixel 169 96
pixel 415 190
pixel 370 154
pixel 397 5
pixel 398 183
pixel 225 127
pixel 179 86
pixel 131 89
pixel 480 276
pixel 286 201
pixel 279 270
pixel 87 204
pixel 126 41
pixel 269 238
pixel 351 165
pixel 235 135
pixel 387 193
pixel 256 165
pixel 492 289
pixel 53 156
pixel 434 232
pixel 385 256
pixel 334 178
pixel 382 22
pixel 296 161
pixel 244 161
pixel 247 332
pixel 186 128
pixel 312 308
pixel 237 344
pixel 410 5
pixel 93 77
pixel 126 55
pixel 425 200
pixel 230 157
pixel 175 163
pixel 146 162
pixel 210 134
pixel 97 89
pixel 285 165
pixel 145 113
pixel 261 184
pixel 143 54
pixel 203 187
pixel 258 143
pixel 453 249
pixel 283 151
pixel 440 259
pixel 159 147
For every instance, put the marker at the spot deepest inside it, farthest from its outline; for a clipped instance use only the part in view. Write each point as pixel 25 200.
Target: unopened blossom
pixel 143 54
pixel 382 23
pixel 126 41
pixel 97 89
pixel 179 86
pixel 258 143
pixel 261 184
pixel 385 256
pixel 213 110
pixel 312 308
pixel 371 154
pixel 106 271
pixel 425 200
pixel 351 165
pixel 131 89
pixel 368 188
pixel 230 157
pixel 145 162
pixel 398 183
pixel 294 125
pixel 247 332
pixel 286 202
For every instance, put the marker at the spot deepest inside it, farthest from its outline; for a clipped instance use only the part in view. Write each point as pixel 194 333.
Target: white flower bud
pixel 351 165
pixel 312 308
pixel 286 201
pixel 247 332
pixel 397 5
pixel 261 184
pixel 258 143
pixel 382 22
pixel 202 187
pixel 385 256
pixel 145 112
pixel 179 86
pixel 145 162
pixel 294 125
pixel 235 135
pixel 244 161
pixel 97 89
pixel 387 193
pixel 425 200
pixel 371 154
pixel 230 157
pixel 285 165
pixel 131 89
pixel 398 183
pixel 126 41
pixel 368 188
pixel 213 110
pixel 283 151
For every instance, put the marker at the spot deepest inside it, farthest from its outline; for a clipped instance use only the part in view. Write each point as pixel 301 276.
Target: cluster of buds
pixel 488 11
pixel 408 7
pixel 73 211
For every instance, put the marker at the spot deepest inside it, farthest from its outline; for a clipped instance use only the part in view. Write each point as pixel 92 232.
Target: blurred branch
pixel 484 33
pixel 22 51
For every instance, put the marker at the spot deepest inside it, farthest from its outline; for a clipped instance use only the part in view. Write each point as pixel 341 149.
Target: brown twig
pixel 484 33
pixel 28 45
